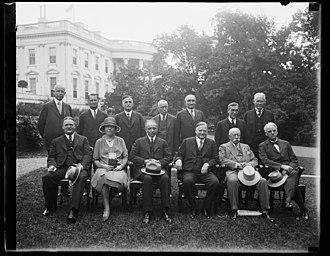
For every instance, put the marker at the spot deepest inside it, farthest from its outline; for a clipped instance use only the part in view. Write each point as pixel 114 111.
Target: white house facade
pixel 65 53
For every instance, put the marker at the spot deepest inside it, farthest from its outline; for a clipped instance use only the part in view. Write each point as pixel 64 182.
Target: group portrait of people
pixel 100 147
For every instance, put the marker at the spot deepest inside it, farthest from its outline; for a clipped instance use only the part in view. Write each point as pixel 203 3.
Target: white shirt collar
pixel 128 112
pixel 198 140
pixel 57 101
pixel 261 110
pixel 231 120
pixel 234 144
pixel 92 110
pixel 67 136
pixel 190 109
pixel 161 116
pixel 150 138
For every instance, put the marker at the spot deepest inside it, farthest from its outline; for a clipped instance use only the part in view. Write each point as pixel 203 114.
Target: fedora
pixel 248 176
pixel 109 121
pixel 276 179
pixel 72 174
pixel 153 168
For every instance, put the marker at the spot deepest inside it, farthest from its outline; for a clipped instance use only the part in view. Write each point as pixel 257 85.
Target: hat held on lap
pixel 276 179
pixel 153 168
pixel 72 174
pixel 248 176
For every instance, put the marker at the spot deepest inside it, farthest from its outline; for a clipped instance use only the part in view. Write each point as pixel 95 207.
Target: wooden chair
pixel 280 190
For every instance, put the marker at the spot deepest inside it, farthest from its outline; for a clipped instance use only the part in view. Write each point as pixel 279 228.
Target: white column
pixel 140 63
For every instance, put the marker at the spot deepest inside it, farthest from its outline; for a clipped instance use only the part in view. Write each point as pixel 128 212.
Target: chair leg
pixel 271 200
pixel 131 198
pixel 124 199
pixel 180 193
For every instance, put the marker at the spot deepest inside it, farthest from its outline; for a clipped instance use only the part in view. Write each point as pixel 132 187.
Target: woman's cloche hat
pixel 109 121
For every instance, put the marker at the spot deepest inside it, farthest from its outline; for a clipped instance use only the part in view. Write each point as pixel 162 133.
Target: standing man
pixel 130 122
pixel 223 126
pixel 188 118
pixel 90 120
pixel 255 120
pixel 51 116
pixel 69 149
pixel 196 157
pixel 167 127
pixel 146 150
pixel 278 155
pixel 236 156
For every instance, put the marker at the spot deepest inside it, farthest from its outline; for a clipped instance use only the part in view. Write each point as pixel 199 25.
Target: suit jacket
pixel 223 127
pixel 186 124
pixel 229 155
pixel 81 151
pixel 50 121
pixel 89 127
pixel 130 131
pixel 250 120
pixel 141 151
pixel 269 155
pixel 171 136
pixel 188 154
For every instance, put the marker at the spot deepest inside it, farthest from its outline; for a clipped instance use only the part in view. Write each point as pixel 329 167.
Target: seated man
pixel 66 150
pixel 278 155
pixel 236 156
pixel 196 156
pixel 151 149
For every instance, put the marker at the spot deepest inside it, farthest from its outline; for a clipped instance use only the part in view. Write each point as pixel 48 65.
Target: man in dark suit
pixel 188 118
pixel 66 150
pixel 130 122
pixel 255 120
pixel 51 116
pixel 278 155
pixel 90 120
pixel 144 150
pixel 223 126
pixel 196 157
pixel 167 127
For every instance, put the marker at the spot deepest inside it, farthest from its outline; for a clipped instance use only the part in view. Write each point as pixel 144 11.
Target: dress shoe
pixel 265 215
pixel 166 217
pixel 72 217
pixel 105 215
pixel 206 213
pixel 234 214
pixel 193 213
pixel 303 215
pixel 288 206
pixel 146 218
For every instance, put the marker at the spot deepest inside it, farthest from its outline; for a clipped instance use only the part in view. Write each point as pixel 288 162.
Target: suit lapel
pixel 168 122
pixel 133 118
pixel 75 141
pixel 233 150
pixel 272 147
pixel 55 109
pixel 125 119
pixel 189 116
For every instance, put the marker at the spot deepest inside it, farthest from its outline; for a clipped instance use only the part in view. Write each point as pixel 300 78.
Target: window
pixel 75 57
pixel 33 85
pixel 52 85
pixel 96 63
pixel 86 89
pixel 86 60
pixel 74 83
pixel 52 55
pixel 32 56
pixel 97 87
pixel 106 66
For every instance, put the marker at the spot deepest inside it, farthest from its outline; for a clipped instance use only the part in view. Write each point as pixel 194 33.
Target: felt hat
pixel 153 168
pixel 248 176
pixel 72 174
pixel 109 121
pixel 276 179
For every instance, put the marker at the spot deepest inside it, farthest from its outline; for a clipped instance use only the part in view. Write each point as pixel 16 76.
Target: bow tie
pixel 274 142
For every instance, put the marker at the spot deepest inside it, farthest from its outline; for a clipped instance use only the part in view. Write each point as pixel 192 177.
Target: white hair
pixel 268 125
pixel 189 96
pixel 150 121
pixel 259 95
pixel 162 103
pixel 234 130
pixel 58 87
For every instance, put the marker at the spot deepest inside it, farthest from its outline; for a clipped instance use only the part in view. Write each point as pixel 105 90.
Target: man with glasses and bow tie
pixel 223 126
pixel 130 122
pixel 278 155
pixel 51 116
pixel 90 120
pixel 255 120
pixel 188 118
pixel 197 156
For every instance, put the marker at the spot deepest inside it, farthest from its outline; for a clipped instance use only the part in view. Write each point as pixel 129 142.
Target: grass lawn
pixel 125 231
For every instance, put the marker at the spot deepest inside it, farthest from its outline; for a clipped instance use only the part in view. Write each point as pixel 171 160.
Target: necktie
pixel 275 143
pixel 152 147
pixel 128 116
pixel 258 113
pixel 192 114
pixel 94 111
pixel 70 137
pixel 163 117
pixel 200 145
pixel 233 122
pixel 59 107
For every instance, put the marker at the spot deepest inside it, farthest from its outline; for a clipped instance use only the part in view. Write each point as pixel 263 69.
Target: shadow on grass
pixel 125 231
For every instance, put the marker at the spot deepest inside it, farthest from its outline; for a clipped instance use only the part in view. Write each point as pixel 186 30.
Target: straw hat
pixel 248 176
pixel 276 179
pixel 153 168
pixel 72 174
pixel 109 121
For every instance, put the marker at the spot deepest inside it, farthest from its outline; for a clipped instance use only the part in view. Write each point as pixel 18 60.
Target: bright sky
pixel 144 21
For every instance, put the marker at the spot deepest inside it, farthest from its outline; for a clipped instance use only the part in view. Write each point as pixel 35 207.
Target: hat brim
pixel 102 130
pixel 71 183
pixel 248 182
pixel 279 183
pixel 144 170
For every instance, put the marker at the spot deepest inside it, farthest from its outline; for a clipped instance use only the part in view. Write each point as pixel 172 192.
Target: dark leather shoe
pixel 166 217
pixel 72 217
pixel 206 213
pixel 234 214
pixel 193 214
pixel 265 215
pixel 146 218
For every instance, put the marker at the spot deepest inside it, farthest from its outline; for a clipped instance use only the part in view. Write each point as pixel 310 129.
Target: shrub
pixel 29 109
pixel 27 134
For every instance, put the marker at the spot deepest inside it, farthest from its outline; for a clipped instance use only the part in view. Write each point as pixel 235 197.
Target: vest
pixel 162 131
pixel 259 126
pixel 70 158
pixel 198 163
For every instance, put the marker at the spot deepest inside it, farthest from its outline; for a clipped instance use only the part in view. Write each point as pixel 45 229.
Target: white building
pixel 65 53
